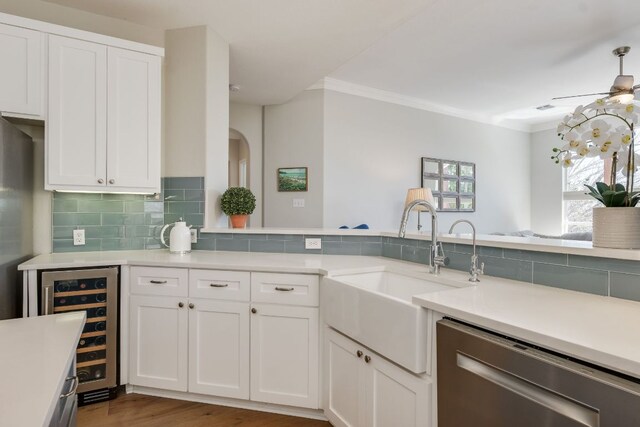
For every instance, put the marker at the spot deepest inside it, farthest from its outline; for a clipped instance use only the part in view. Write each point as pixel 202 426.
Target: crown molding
pixel 342 86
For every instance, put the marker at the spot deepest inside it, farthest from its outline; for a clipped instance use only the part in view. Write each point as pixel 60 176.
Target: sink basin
pixel 375 309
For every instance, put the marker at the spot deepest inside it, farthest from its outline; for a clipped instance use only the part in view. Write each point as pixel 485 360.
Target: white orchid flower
pixel 567 160
pixel 573 140
pixel 606 150
pixel 598 104
pixel 562 127
pixel 599 131
pixel 584 151
pixel 634 164
pixel 623 135
pixel 578 111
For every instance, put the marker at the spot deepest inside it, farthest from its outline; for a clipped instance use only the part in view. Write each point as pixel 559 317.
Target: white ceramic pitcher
pixel 179 238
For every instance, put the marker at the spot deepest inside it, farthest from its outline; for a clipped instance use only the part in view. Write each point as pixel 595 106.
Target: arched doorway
pixel 239 160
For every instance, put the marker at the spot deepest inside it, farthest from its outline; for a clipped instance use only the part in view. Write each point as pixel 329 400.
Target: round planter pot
pixel 617 228
pixel 239 221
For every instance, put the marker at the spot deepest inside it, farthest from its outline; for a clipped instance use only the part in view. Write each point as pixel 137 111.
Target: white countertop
pixel 601 330
pixel 35 355
pixel 573 247
pixel 255 261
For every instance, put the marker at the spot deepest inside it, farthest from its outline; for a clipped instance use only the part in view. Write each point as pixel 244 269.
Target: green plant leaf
pixel 602 187
pixel 614 199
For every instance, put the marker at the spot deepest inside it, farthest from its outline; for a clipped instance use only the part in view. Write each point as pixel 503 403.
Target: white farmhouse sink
pixel 375 309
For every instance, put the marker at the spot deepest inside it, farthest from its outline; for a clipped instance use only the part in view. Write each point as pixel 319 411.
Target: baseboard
pixel 316 414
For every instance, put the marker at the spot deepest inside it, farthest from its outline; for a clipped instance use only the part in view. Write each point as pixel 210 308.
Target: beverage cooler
pixel 94 291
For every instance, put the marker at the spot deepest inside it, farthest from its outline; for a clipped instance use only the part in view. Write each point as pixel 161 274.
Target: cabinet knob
pixel 180 304
pixel 254 311
pixel 112 181
pixel 100 181
pixel 367 359
pixel 359 353
pixel 191 305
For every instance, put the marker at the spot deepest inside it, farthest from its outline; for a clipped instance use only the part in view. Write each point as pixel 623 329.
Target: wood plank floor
pixel 148 411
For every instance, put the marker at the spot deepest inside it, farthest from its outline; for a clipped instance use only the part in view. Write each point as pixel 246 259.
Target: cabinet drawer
pixel 296 289
pixel 160 281
pixel 219 284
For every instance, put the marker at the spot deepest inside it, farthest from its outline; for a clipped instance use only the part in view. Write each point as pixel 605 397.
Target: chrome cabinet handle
pixel 74 387
pixel 158 282
pixel 112 181
pixel 359 353
pixel 180 304
pixel 100 181
pixel 280 288
pixel 218 285
pixel 367 359
pixel 254 311
pixel 191 305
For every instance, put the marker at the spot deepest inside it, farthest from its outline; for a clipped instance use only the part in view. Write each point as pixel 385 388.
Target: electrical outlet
pixel 298 203
pixel 194 235
pixel 78 237
pixel 313 243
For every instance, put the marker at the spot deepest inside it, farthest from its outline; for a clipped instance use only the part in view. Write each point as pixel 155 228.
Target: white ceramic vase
pixel 617 228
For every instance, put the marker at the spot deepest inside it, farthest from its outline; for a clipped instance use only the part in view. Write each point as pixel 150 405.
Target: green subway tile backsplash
pixel 125 222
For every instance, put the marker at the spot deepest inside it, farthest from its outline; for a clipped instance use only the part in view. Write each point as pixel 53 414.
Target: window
pixel 577 205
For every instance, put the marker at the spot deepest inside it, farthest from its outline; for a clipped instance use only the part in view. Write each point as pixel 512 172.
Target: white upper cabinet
pixel 133 120
pixel 104 121
pixel 77 121
pixel 21 73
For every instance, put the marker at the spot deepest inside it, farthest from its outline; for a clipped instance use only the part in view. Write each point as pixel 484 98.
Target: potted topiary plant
pixel 238 203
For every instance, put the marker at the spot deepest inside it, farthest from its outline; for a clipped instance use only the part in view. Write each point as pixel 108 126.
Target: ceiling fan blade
pixel 586 94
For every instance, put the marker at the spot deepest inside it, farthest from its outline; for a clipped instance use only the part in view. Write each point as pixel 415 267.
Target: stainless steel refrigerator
pixel 16 214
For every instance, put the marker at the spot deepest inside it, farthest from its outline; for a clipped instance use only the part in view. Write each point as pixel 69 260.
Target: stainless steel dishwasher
pixel 486 380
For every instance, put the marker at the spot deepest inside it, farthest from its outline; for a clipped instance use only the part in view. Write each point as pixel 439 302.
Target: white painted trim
pixel 49 28
pixel 341 86
pixel 232 403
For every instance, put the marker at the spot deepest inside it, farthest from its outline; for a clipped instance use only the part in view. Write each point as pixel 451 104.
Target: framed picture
pixel 452 183
pixel 292 179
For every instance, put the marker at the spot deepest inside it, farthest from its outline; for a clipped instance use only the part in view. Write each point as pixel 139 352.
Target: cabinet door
pixel 133 121
pixel 158 342
pixel 21 72
pixel 284 355
pixel 395 397
pixel 344 372
pixel 77 116
pixel 219 348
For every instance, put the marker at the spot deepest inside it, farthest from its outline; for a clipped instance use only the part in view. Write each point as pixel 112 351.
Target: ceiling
pixel 493 60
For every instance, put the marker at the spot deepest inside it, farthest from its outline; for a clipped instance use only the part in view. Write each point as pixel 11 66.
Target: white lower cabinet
pixel 284 355
pixel 158 342
pixel 219 348
pixel 363 389
pixel 183 339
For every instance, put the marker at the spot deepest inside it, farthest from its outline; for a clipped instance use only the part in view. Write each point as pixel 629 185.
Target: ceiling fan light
pixel 623 98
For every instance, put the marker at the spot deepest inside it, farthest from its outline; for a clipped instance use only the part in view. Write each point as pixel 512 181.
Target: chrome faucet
pixel 474 270
pixel 436 254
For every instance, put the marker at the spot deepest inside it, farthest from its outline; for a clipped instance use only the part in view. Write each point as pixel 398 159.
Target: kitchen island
pixel 36 356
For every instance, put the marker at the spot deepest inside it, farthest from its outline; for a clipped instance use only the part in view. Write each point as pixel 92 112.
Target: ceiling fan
pixel 623 89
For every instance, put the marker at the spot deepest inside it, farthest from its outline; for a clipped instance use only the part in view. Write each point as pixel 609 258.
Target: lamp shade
pixel 419 194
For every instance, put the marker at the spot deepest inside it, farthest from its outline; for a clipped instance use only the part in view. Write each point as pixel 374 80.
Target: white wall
pixel 247 120
pixel 75 18
pixel 185 118
pixel 372 153
pixel 217 127
pixel 293 137
pixel 546 184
